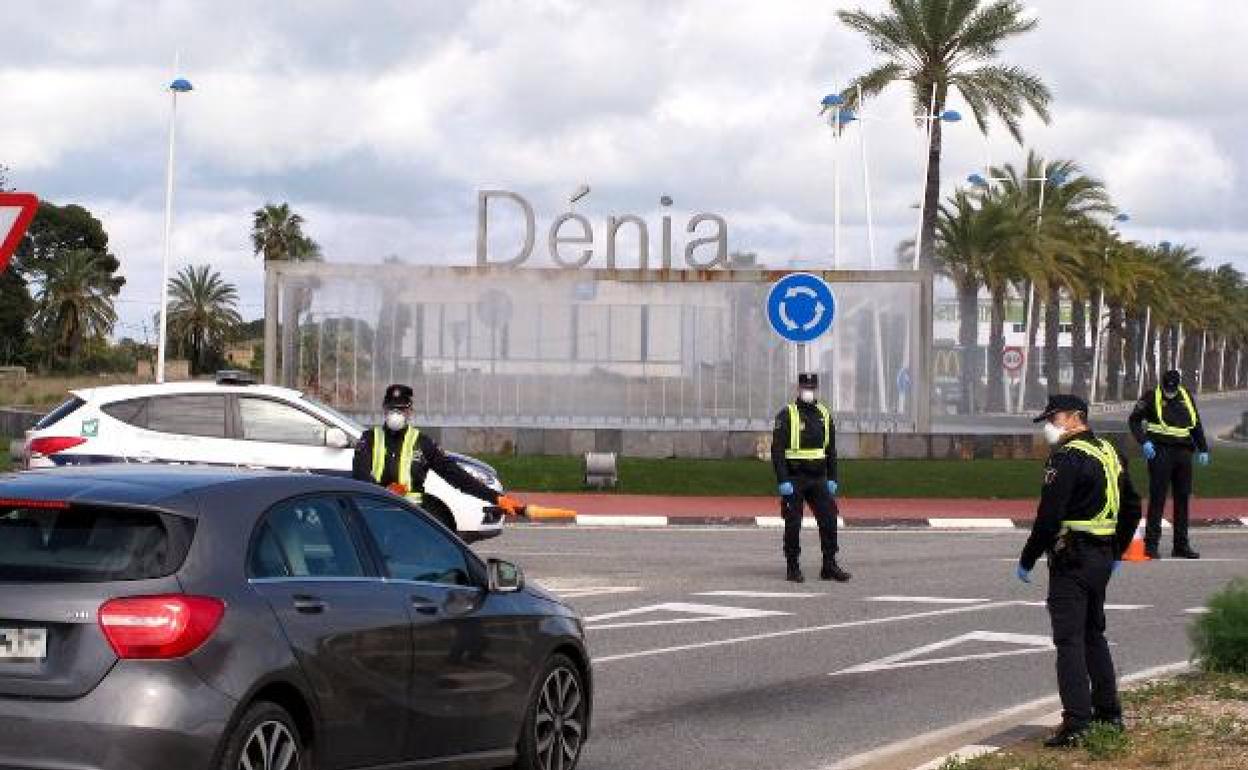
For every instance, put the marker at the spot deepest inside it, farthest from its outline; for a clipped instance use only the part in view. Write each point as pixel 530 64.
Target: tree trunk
pixel 1135 327
pixel 1150 364
pixel 931 189
pixel 1034 395
pixel 968 342
pixel 1052 330
pixel 1079 360
pixel 1113 357
pixel 996 348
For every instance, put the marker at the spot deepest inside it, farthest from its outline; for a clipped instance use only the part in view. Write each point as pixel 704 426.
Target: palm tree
pixel 277 234
pixel 938 45
pixel 202 314
pixel 74 303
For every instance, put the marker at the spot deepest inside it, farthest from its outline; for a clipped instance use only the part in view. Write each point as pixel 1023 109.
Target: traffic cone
pixel 1135 551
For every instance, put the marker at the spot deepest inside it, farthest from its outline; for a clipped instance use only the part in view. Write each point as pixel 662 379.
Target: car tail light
pixel 50 445
pixel 149 627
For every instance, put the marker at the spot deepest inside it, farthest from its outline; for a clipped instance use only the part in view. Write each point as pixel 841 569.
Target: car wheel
pixel 439 511
pixel 266 738
pixel 554 727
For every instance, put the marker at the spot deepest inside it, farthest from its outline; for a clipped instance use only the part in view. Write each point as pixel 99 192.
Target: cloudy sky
pixel 379 121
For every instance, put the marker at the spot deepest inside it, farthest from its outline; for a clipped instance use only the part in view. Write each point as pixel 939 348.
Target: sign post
pixel 16 212
pixel 801 308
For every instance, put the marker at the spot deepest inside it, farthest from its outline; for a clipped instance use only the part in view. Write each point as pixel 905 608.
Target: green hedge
pixel 1220 637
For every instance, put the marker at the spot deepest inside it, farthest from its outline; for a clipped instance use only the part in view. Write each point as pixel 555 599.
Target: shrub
pixel 1220 636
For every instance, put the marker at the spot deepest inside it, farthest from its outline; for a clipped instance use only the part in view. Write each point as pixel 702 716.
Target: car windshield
pixel 332 412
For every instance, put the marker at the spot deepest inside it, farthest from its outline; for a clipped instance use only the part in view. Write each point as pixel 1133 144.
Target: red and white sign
pixel 16 212
pixel 1012 359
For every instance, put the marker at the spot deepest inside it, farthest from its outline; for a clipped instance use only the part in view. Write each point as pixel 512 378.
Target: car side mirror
pixel 337 438
pixel 505 577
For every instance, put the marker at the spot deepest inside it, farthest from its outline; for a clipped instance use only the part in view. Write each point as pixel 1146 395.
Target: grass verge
pixel 1227 476
pixel 1194 722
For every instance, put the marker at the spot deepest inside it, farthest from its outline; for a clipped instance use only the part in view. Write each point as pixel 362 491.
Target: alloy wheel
pixel 559 725
pixel 270 747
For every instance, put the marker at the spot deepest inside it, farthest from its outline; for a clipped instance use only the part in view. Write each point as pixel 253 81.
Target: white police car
pixel 232 422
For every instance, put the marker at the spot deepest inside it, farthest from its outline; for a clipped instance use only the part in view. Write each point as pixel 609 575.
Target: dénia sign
pixel 570 237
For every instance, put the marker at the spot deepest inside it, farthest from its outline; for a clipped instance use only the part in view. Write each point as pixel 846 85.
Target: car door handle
pixel 310 605
pixel 424 606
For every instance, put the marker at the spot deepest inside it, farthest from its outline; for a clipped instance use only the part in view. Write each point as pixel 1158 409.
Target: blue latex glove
pixel 786 489
pixel 1203 458
pixel 832 487
pixel 1150 451
pixel 1114 569
pixel 1023 573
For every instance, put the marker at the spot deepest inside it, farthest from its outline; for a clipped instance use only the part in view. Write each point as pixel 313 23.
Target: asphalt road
pixel 772 675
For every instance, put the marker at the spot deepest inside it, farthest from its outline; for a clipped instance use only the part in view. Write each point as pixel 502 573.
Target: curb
pixel 775 522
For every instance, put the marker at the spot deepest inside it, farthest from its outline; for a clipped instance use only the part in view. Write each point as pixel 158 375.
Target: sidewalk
pixel 855 511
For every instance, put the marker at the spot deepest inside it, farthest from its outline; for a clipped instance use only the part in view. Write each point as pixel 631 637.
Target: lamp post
pixel 178 86
pixel 838 116
pixel 948 116
pixel 1057 179
pixel 1097 345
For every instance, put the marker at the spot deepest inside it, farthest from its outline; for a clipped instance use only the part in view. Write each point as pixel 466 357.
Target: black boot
pixel 794 574
pixel 1151 552
pixel 1068 736
pixel 832 571
pixel 1184 552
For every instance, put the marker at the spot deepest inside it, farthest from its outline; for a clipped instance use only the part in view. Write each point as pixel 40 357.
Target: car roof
pixel 171 487
pixel 120 392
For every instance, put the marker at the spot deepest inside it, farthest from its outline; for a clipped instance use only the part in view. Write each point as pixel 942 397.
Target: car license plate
pixel 23 643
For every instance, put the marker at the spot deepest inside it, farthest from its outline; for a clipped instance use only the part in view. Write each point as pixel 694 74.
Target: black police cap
pixel 1171 379
pixel 1062 402
pixel 808 380
pixel 398 396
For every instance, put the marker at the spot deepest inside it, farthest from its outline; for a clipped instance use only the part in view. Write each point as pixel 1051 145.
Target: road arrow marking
pixel 701 613
pixel 1031 645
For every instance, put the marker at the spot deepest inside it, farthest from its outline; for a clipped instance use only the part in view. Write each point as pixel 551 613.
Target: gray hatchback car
pixel 189 618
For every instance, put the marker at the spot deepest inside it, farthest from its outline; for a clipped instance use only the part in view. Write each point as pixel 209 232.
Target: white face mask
pixel 396 420
pixel 1053 433
pixel 806 396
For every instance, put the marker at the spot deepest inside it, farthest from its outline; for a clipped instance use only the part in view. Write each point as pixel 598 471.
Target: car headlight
pixel 483 476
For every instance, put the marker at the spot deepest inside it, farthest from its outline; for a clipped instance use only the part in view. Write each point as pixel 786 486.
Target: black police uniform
pixel 809 479
pixel 1080 565
pixel 426 456
pixel 1171 466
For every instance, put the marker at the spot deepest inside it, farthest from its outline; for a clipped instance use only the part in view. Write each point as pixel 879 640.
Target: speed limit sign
pixel 1012 359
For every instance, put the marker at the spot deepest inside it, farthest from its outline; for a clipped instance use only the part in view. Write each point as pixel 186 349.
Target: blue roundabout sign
pixel 801 307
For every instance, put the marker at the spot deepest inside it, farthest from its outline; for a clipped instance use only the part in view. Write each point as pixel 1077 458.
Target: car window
pixel 265 420
pixel 412 548
pixel 130 411
pixel 188 415
pixel 309 537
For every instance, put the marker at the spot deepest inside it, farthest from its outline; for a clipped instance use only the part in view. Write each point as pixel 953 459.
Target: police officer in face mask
pixel 1085 522
pixel 1169 429
pixel 397 456
pixel 803 453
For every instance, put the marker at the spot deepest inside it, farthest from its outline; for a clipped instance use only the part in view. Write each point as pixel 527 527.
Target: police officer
pixel 1085 522
pixel 1168 427
pixel 803 453
pixel 396 455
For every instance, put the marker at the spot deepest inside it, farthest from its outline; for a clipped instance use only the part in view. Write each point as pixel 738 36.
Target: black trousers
pixel 1171 467
pixel 1085 671
pixel 813 491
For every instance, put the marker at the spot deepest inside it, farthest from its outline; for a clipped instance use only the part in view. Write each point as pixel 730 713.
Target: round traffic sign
pixel 801 307
pixel 1012 359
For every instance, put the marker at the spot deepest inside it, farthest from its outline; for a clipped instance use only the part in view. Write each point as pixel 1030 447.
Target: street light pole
pixel 178 86
pixel 1044 180
pixel 1097 344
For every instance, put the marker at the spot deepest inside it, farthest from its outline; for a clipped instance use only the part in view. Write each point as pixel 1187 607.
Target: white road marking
pixel 965 753
pixel 803 630
pixel 581 593
pixel 1197 611
pixel 598 520
pixel 1244 521
pixel 808 522
pixel 968 523
pixel 1032 645
pixel 945 734
pixel 701 613
pixel 923 600
pixel 759 594
pixel 1122 607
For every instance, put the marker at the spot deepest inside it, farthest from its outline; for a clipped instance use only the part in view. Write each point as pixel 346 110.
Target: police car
pixel 232 422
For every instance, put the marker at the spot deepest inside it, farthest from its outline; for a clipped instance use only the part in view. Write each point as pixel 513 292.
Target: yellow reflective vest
pixel 1105 522
pixel 795 450
pixel 1161 428
pixel 406 453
